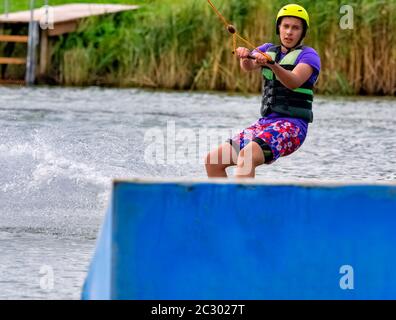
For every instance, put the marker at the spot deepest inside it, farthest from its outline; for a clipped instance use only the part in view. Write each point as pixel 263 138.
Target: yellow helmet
pixel 293 10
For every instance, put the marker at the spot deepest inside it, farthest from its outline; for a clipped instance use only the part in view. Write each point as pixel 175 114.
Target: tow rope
pixel 231 29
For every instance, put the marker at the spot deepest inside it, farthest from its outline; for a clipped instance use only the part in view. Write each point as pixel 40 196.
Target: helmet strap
pixel 288 49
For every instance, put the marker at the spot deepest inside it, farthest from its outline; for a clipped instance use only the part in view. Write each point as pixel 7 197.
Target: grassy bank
pixel 19 5
pixel 182 45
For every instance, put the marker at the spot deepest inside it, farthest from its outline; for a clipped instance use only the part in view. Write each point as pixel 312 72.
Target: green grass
pixel 25 4
pixel 180 44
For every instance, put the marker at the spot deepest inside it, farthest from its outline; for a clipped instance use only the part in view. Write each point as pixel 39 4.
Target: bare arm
pixel 290 79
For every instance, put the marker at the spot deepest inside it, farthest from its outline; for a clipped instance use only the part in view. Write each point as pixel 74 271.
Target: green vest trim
pixel 303 90
pixel 289 59
pixel 267 72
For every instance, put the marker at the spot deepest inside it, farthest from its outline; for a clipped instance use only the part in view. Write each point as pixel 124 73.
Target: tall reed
pixel 180 44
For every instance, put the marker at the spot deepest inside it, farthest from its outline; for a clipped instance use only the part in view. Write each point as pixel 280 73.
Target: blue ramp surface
pixel 229 240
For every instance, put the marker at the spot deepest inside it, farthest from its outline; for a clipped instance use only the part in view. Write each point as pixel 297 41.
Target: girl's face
pixel 290 30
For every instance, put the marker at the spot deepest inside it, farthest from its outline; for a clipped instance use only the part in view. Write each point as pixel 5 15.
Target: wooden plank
pixel 67 12
pixel 5 60
pixel 13 38
pixel 62 28
pixel 10 81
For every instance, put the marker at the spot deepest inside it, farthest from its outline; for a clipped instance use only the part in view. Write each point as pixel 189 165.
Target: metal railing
pixel 32 44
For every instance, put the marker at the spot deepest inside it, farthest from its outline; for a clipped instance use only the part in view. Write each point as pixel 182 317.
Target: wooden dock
pixel 52 21
pixel 65 17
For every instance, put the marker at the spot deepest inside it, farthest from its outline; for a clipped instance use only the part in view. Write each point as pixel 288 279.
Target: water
pixel 61 148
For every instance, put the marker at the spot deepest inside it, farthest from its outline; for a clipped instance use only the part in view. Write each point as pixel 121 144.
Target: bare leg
pixel 219 159
pixel 250 157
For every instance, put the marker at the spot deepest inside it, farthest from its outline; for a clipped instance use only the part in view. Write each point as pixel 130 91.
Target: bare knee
pixel 252 156
pixel 223 156
pixel 249 158
pixel 213 162
pixel 219 159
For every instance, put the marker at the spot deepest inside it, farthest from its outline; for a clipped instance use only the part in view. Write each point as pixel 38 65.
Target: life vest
pixel 295 103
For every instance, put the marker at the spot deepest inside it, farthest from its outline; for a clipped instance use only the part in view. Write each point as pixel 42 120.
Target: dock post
pixel 45 25
pixel 43 52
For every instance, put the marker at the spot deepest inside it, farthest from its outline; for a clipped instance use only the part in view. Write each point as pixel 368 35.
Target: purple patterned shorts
pixel 283 137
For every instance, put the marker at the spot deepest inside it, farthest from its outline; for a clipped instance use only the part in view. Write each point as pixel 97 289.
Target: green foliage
pixel 181 44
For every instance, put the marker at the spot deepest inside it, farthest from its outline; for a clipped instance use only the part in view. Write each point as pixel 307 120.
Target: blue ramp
pixel 231 240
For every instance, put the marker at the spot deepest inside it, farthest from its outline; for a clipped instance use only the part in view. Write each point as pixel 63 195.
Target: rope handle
pixel 253 58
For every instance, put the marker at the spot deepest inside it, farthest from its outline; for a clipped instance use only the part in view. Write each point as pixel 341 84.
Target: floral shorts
pixel 277 138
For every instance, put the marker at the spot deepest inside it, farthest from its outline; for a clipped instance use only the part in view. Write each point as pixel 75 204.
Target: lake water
pixel 60 149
